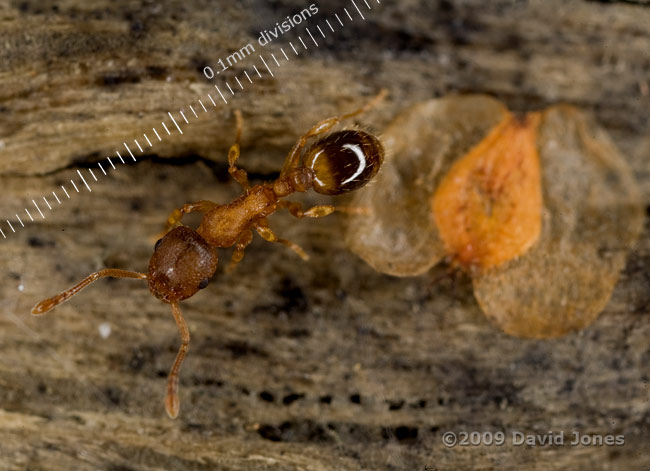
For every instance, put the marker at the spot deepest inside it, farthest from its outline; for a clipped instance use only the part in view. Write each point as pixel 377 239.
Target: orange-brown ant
pixel 184 259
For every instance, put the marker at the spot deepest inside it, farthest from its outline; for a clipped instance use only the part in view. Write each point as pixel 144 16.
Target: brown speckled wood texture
pixel 293 366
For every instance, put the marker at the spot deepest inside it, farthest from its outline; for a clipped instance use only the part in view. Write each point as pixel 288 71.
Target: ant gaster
pixel 184 259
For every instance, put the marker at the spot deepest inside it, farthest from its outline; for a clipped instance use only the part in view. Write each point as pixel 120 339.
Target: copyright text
pixel 515 438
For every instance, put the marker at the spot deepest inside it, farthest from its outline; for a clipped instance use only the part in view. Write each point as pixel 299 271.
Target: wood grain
pixel 292 365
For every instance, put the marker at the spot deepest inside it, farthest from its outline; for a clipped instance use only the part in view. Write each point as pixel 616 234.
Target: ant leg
pixel 267 234
pixel 172 403
pixel 322 210
pixel 354 210
pixel 175 217
pixel 314 212
pixel 322 127
pixel 49 303
pixel 239 175
pixel 237 256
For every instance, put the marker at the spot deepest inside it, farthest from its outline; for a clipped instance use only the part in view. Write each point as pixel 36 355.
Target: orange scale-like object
pixel 488 208
pixel 540 211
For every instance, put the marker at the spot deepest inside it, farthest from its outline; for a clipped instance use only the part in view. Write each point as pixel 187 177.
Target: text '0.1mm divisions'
pixel 265 37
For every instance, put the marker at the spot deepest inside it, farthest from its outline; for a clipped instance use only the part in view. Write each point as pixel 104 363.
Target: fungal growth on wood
pixel 540 211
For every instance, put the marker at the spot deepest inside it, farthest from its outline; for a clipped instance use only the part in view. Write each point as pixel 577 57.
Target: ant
pixel 185 259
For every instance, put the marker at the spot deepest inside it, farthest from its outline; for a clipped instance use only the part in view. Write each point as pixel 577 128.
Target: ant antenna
pixel 49 303
pixel 172 402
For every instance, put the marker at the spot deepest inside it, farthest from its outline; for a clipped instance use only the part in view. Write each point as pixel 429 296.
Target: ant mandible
pixel 184 259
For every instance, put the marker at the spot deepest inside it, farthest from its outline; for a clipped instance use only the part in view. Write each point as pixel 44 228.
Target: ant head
pixel 344 161
pixel 182 263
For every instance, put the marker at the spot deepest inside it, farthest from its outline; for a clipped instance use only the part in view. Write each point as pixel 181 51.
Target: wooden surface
pixel 293 366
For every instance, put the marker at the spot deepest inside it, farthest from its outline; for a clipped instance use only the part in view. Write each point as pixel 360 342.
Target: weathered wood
pixel 293 365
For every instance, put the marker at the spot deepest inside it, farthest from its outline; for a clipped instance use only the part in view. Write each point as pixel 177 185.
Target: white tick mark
pixel 222 97
pixel 39 209
pixel 130 153
pixel 312 37
pixel 267 67
pixel 177 126
pixel 355 6
pixel 84 180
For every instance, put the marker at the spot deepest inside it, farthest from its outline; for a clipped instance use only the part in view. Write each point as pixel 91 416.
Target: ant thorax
pixel 222 225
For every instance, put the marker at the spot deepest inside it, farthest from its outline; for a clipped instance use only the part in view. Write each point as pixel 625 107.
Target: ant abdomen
pixel 182 263
pixel 344 161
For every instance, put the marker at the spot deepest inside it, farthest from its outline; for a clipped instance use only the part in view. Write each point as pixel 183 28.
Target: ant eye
pixel 344 161
pixel 155 247
pixel 204 283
